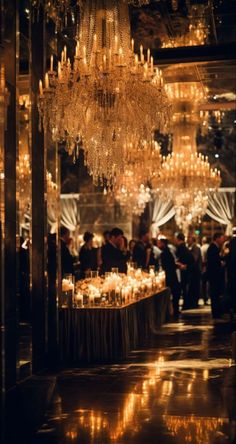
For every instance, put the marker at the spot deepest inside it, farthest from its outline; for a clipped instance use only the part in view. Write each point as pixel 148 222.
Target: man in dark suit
pixel 215 274
pixel 195 284
pixel 142 253
pixel 231 271
pixel 169 266
pixel 112 256
pixel 185 262
pixel 67 266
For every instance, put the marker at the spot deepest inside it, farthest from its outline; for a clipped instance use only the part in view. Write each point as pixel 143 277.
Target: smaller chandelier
pixel 186 175
pixel 131 195
pixel 143 161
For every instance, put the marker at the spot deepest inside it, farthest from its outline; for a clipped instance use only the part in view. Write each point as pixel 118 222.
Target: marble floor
pixel 180 387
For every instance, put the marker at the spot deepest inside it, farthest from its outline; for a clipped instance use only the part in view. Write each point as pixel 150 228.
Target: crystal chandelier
pixel 186 175
pixel 197 32
pixel 130 193
pixel 107 95
pixel 57 10
pixel 142 165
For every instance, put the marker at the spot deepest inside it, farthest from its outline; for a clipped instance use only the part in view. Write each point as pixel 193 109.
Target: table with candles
pixel 103 318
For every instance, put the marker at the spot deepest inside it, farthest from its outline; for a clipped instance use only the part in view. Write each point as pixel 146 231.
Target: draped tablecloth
pixel 91 335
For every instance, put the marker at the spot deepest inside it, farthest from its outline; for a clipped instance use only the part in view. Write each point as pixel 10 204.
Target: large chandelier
pixel 107 95
pixel 186 175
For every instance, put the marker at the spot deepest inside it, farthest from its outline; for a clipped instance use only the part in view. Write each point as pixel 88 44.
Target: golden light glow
pixel 193 429
pixel 197 33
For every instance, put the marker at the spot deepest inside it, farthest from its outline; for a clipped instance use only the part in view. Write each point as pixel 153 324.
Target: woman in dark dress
pixel 88 255
pixel 169 266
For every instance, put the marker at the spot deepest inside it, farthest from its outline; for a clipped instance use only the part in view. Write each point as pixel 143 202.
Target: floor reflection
pixel 180 388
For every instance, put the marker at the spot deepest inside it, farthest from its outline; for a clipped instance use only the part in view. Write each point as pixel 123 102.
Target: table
pixel 97 335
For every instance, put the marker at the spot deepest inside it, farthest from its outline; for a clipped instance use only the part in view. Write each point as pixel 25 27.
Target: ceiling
pixel 195 42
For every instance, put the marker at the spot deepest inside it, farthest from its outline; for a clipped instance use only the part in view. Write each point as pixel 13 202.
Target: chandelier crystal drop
pixel 107 95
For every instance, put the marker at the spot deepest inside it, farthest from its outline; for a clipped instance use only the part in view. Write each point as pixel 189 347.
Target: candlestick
pixel 51 63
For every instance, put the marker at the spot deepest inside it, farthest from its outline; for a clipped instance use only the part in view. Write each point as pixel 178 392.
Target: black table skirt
pixel 109 334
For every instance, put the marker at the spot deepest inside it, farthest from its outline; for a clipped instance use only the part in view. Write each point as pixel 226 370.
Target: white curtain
pixel 52 215
pixel 70 215
pixel 221 207
pixel 163 211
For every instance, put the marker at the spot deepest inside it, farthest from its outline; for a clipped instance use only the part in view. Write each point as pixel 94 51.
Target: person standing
pixel 142 253
pixel 231 271
pixel 195 284
pixel 112 256
pixel 215 274
pixel 185 263
pixel 169 266
pixel 67 261
pixel 204 287
pixel 88 255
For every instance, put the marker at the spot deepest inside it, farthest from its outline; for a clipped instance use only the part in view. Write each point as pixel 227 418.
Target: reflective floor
pixel 179 388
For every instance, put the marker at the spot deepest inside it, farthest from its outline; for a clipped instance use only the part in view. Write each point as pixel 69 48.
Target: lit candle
pixel 148 55
pixel 120 56
pixel 51 63
pixel 141 51
pixel 132 45
pixel 40 87
pixel 65 53
pixel 104 62
pixel 77 49
pixel 116 43
pixel 46 81
pixel 95 42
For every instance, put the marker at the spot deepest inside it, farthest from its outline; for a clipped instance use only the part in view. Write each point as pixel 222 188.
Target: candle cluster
pixel 117 290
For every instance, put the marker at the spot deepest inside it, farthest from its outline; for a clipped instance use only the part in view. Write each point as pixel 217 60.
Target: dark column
pixel 39 276
pixel 10 156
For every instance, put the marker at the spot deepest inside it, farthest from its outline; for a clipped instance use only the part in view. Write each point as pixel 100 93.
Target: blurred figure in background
pixel 231 271
pixel 215 274
pixel 195 284
pixel 169 266
pixel 157 250
pixel 132 243
pixel 106 237
pixel 67 262
pixel 112 256
pixel 125 250
pixel 204 287
pixel 88 255
pixel 143 254
pixel 185 263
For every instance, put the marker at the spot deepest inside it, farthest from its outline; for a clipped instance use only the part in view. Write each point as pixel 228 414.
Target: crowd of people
pixel 194 271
